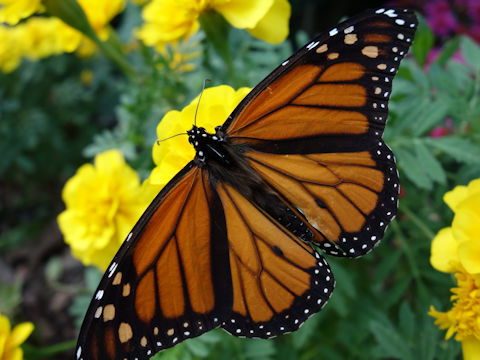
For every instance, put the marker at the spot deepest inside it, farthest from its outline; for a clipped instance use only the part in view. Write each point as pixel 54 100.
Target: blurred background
pixel 60 107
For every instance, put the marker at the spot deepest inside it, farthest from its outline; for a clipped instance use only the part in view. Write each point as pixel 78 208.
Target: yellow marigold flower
pixel 456 249
pixel 40 37
pixel 167 21
pixel 460 243
pixel 172 155
pixel 47 36
pixel 11 339
pixel 12 11
pixel 103 202
pixel 464 316
pixel 11 49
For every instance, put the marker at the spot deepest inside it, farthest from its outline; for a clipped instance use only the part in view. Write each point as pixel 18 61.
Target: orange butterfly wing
pixel 169 281
pixel 313 128
pixel 278 280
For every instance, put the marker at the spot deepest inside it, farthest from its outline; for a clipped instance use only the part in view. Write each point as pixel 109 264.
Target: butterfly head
pixel 207 146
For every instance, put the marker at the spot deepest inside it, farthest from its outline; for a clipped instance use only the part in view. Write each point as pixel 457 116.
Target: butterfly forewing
pixel 170 280
pixel 313 128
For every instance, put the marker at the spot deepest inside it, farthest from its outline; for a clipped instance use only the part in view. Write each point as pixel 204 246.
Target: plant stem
pixel 406 249
pixel 417 221
pixel 33 352
pixel 217 30
pixel 71 13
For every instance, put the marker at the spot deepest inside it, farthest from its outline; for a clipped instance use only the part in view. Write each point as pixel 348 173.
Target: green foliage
pixel 421 101
pixel 47 117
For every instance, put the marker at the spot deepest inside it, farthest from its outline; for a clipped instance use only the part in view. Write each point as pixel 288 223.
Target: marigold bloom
pixel 456 249
pixel 12 11
pixel 167 21
pixel 11 339
pixel 40 37
pixel 46 36
pixel 172 155
pixel 103 202
pixel 460 243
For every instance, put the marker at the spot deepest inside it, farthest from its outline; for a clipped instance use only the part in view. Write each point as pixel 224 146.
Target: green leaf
pixel 70 12
pixel 398 290
pixel 412 169
pixel 197 347
pixel 419 77
pixel 301 336
pixel 428 339
pixel 410 111
pixel 471 52
pixel 386 267
pixel 445 84
pixel 432 114
pixel 391 343
pixel 258 348
pixel 406 319
pixel 449 48
pixel 460 149
pixel 423 42
pixel 92 277
pixel 460 73
pixel 430 164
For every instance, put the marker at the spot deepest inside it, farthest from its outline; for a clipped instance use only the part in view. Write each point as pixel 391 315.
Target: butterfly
pixel 228 241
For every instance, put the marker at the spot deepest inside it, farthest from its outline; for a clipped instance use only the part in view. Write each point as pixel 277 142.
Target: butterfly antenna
pixel 159 141
pixel 198 103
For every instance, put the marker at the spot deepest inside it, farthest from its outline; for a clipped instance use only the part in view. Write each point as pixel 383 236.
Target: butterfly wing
pixel 313 129
pixel 170 279
pixel 278 280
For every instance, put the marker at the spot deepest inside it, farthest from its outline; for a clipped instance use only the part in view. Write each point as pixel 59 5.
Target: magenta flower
pixel 440 17
pixel 442 130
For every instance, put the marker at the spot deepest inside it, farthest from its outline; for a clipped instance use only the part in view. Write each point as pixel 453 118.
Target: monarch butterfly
pixel 227 242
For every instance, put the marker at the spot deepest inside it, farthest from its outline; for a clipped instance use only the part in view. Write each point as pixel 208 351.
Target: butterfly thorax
pixel 209 147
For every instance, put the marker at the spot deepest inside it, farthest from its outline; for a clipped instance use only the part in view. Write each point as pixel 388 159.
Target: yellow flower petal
pixel 168 21
pixel 274 26
pixel 455 196
pixel 459 193
pixel 466 223
pixel 15 354
pixel 20 333
pixel 444 251
pixel 12 11
pixel 10 340
pixel 242 13
pixel 101 12
pixel 172 155
pixel 471 348
pixel 469 255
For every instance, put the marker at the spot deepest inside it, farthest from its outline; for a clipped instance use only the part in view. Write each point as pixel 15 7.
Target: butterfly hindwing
pixel 170 280
pixel 322 114
pixel 278 280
